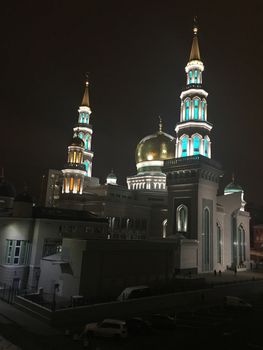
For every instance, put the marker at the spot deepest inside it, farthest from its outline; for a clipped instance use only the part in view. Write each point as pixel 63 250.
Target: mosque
pixel 171 206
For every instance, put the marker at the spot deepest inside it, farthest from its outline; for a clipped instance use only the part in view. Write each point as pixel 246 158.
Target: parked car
pixel 134 292
pixel 137 325
pixel 107 328
pixel 162 321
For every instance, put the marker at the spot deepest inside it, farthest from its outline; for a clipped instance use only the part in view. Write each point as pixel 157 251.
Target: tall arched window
pixel 203 110
pixel 182 218
pixel 187 108
pixel 196 109
pixel 80 135
pixel 196 76
pixel 190 77
pixel 206 147
pixel 87 142
pixel 241 244
pixel 206 240
pixel 219 244
pixel 196 144
pixel 164 228
pixel 184 142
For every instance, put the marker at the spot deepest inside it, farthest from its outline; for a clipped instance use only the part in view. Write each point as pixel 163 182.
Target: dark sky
pixel 136 53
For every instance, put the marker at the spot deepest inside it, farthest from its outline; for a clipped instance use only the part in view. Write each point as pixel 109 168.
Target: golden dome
pixel 158 146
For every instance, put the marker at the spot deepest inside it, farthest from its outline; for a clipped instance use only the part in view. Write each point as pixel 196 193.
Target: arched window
pixel 196 76
pixel 219 244
pixel 182 218
pixel 187 108
pixel 241 244
pixel 184 141
pixel 87 142
pixel 78 185
pixel 196 109
pixel 206 240
pixel 164 228
pixel 80 135
pixel 190 77
pixel 71 184
pixel 206 147
pixel 203 110
pixel 196 144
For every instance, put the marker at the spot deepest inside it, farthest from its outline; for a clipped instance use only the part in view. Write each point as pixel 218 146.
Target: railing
pixel 191 159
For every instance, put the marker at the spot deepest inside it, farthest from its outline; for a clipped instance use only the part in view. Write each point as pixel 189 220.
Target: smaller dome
pixel 6 189
pixel 232 187
pixel 111 178
pixel 77 141
pixel 24 197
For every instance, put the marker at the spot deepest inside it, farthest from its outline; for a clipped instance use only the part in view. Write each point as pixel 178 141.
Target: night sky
pixel 136 53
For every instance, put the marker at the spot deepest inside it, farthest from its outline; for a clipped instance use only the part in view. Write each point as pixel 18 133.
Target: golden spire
pixel 195 52
pixel 85 100
pixel 160 124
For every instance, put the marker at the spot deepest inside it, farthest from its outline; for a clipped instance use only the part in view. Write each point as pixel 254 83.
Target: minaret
pixel 79 163
pixel 193 130
pixel 83 129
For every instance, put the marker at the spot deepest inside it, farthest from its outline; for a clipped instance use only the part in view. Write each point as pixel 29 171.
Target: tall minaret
pixel 83 129
pixel 193 130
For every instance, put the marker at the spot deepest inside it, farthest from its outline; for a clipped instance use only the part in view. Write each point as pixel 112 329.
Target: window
pixel 219 244
pixel 184 146
pixel 241 244
pixel 87 142
pixel 17 252
pixel 196 76
pixel 196 144
pixel 206 145
pixel 79 183
pixel 74 156
pixel 81 135
pixel 206 240
pixel 182 218
pixel 71 184
pixel 203 110
pixel 190 77
pixel 187 108
pixel 51 246
pixel 196 107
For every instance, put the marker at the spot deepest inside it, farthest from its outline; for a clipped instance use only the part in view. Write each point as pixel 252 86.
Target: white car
pixel 107 328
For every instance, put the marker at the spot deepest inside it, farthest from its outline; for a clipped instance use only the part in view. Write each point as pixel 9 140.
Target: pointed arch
pixel 196 142
pixel 206 239
pixel 219 243
pixel 184 143
pixel 196 104
pixel 187 104
pixel 182 218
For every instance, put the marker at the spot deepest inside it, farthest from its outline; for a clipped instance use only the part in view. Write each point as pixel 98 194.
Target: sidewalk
pixel 229 276
pixel 15 316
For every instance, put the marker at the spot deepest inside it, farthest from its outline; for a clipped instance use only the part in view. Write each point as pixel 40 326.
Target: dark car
pixel 162 321
pixel 137 325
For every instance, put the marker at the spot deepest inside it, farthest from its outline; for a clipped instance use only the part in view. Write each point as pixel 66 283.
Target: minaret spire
pixel 85 100
pixel 160 124
pixel 195 52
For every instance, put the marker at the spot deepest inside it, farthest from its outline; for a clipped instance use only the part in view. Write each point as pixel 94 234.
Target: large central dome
pixel 158 146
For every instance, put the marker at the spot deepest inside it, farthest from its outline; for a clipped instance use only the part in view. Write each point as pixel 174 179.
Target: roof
pixel 85 99
pixel 195 52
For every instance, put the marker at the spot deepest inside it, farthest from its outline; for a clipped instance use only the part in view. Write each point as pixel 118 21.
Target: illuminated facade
pixel 193 130
pixel 174 195
pixel 150 154
pixel 79 163
pixel 215 229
